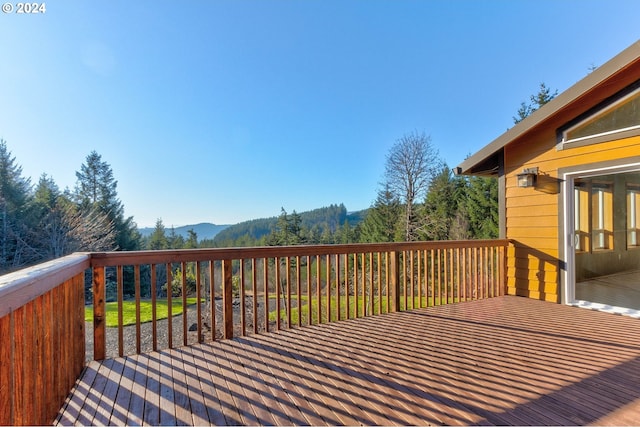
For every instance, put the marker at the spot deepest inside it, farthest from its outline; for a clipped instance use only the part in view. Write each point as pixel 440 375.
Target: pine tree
pixel 441 207
pixel 192 239
pixel 536 101
pixel 381 222
pixel 96 189
pixel 482 207
pixel 16 247
pixel 158 239
pixel 175 240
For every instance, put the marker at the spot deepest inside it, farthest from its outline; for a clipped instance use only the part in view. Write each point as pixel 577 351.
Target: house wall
pixel 532 214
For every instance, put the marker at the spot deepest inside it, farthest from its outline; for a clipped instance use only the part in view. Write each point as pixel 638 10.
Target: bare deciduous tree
pixel 411 164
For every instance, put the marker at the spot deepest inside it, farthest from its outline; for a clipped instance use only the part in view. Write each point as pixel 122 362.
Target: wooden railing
pixel 257 290
pixel 42 339
pixel 236 291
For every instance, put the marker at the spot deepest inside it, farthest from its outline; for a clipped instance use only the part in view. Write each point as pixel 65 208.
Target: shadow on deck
pixel 504 360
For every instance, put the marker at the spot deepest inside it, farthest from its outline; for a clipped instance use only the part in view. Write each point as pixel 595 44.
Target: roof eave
pixel 482 162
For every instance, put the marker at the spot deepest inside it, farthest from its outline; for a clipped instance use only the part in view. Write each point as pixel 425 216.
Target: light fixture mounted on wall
pixel 528 177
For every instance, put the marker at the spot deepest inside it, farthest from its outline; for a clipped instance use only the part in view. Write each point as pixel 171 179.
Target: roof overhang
pixel 602 83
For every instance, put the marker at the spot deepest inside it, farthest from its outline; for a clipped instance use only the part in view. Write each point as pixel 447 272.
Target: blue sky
pixel 224 111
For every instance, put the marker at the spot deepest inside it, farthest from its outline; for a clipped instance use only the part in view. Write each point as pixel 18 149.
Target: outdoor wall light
pixel 528 178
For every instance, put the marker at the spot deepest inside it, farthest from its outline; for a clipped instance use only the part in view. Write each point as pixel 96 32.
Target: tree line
pixel 419 199
pixel 41 222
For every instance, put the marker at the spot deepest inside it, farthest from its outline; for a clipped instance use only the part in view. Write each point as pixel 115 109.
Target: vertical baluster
pixel 328 290
pixel 412 278
pixel 309 293
pixel 212 298
pixel 404 280
pixel 457 268
pixel 371 296
pixel 463 273
pixel 319 287
pixel 445 266
pixel 337 268
pixel 288 283
pixel 394 266
pixel 227 299
pixel 386 282
pixel 198 304
pixel 154 324
pixel 486 272
pixel 254 289
pixel 183 288
pixel 419 262
pixel 439 266
pixel 243 312
pixel 265 280
pixel 136 278
pixel 431 291
pixel 503 270
pixel 299 290
pixel 363 283
pixel 475 274
pixel 355 286
pixel 346 286
pixel 99 321
pixel 278 293
pixel 452 276
pixel 120 291
pixel 169 306
pixel 379 258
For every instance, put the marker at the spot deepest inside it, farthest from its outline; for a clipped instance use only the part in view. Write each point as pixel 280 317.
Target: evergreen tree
pixel 192 240
pixel 482 207
pixel 381 222
pixel 175 240
pixel 288 230
pixel 96 189
pixel 536 101
pixel 442 204
pixel 158 239
pixel 16 247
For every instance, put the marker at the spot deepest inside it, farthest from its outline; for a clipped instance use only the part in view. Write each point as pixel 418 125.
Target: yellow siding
pixel 532 213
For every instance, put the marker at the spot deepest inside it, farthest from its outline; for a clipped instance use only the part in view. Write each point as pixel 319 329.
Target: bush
pixel 176 283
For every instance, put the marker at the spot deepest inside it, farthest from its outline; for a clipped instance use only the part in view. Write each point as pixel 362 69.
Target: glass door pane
pixel 607 239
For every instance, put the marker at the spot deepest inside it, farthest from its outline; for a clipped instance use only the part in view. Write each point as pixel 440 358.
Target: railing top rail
pixel 105 259
pixel 20 287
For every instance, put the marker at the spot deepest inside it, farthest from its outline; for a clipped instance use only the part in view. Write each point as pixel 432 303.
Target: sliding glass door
pixel 605 217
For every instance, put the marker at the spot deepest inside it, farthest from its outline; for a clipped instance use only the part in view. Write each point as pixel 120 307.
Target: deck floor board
pixel 501 361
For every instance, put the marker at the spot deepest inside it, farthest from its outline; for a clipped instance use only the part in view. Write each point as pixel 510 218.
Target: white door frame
pixel 568 240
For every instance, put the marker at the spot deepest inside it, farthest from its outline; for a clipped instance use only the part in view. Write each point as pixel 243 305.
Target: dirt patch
pixel 162 329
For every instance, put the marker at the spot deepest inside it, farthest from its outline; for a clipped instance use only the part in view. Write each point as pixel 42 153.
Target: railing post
pixel 227 299
pixel 394 265
pixel 99 315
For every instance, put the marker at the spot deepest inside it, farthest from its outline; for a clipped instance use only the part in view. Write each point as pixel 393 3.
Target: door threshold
pixel 612 309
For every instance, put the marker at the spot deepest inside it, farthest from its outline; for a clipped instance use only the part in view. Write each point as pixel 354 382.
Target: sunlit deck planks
pixel 505 360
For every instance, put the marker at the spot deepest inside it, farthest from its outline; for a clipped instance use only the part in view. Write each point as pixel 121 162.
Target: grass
pixel 129 311
pixel 295 313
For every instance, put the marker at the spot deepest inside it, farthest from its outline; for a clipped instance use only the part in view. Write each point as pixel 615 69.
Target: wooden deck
pixel 505 360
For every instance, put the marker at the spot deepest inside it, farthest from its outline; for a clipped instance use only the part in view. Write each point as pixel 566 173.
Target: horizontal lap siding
pixel 532 213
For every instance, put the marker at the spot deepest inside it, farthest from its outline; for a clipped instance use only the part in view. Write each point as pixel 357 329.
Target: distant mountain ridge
pixel 326 218
pixel 331 217
pixel 204 230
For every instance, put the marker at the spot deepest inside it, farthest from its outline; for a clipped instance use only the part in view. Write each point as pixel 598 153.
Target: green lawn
pixel 352 299
pixel 129 311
